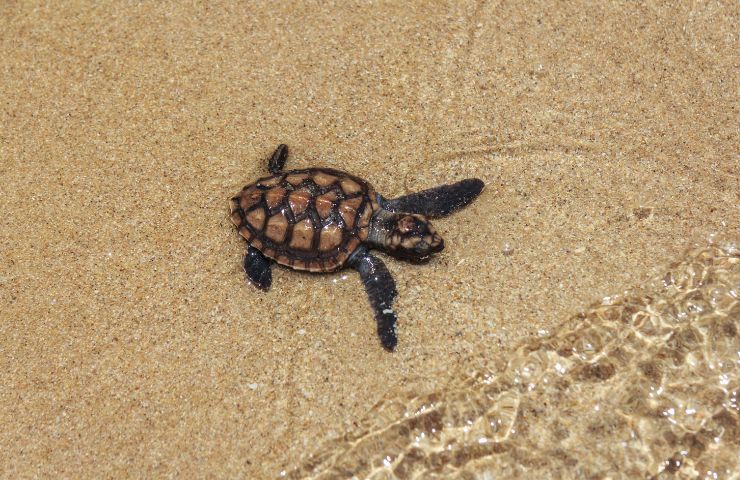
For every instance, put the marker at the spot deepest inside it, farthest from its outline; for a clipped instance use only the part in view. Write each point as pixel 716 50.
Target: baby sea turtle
pixel 321 220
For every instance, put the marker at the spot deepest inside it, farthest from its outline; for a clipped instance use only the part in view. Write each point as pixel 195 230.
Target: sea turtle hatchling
pixel 321 220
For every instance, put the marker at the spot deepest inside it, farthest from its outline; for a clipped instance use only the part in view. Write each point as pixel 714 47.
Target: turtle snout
pixel 437 244
pixel 428 244
pixel 433 240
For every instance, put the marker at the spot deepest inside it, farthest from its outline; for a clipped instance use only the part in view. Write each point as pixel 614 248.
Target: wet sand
pixel 130 344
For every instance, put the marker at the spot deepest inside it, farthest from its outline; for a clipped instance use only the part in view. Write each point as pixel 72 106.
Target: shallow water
pixel 643 384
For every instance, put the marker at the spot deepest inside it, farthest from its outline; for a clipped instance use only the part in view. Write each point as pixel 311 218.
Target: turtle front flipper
pixel 381 290
pixel 277 161
pixel 258 268
pixel 437 201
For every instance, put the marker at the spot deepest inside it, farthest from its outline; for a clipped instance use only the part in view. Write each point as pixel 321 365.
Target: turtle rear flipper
pixel 258 268
pixel 277 161
pixel 437 201
pixel 381 290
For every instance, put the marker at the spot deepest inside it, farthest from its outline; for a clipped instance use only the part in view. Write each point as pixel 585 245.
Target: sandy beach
pixel 131 344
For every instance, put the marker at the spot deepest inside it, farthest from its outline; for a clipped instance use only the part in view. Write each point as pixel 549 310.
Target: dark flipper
pixel 381 289
pixel 438 201
pixel 277 161
pixel 258 268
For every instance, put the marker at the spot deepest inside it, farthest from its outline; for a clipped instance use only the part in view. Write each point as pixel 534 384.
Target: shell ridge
pixel 315 224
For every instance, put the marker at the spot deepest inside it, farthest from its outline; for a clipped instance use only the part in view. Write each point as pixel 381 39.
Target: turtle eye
pixel 406 225
pixel 411 225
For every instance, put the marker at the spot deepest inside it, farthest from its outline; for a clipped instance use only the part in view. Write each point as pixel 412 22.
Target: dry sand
pixel 130 345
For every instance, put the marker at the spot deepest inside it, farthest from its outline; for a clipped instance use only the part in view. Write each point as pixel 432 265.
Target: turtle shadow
pixel 409 259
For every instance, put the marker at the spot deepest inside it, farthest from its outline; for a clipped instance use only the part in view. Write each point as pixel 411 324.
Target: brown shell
pixel 310 219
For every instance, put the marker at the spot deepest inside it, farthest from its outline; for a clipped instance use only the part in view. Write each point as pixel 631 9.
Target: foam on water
pixel 643 384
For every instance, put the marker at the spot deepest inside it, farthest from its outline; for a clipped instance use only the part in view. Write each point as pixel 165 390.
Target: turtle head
pixel 409 236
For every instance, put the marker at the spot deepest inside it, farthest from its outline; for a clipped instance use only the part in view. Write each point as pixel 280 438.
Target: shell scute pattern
pixel 299 200
pixel 310 219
